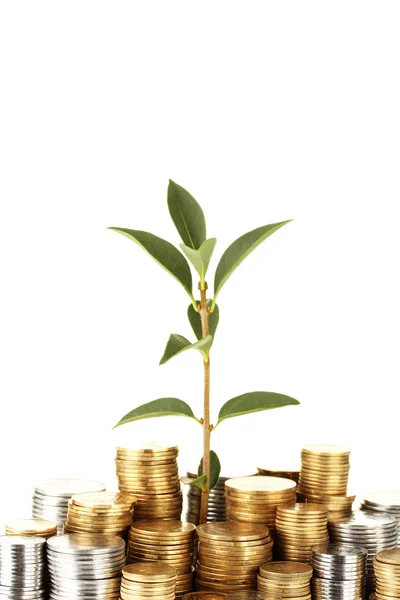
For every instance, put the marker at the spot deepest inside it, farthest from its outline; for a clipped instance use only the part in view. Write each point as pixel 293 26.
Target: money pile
pixel 151 474
pixel 50 498
pixel 388 502
pixel 387 574
pixel 171 542
pixel 300 526
pixel 22 567
pixel 85 566
pixel 372 531
pixel 148 580
pixel 216 501
pixel 284 579
pixel 281 469
pixel 99 512
pixel 339 572
pixel 37 527
pixel 255 499
pixel 229 555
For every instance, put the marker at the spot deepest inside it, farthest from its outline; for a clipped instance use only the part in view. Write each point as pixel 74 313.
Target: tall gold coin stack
pixel 281 469
pixel 229 555
pixel 99 512
pixel 301 526
pixel 284 579
pixel 387 575
pixel 151 474
pixel 37 527
pixel 255 499
pixel 171 542
pixel 148 580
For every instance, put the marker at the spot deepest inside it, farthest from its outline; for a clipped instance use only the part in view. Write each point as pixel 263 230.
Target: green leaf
pixel 237 252
pixel 200 258
pixel 164 253
pixel 177 344
pixel 200 482
pixel 195 320
pixel 253 402
pixel 163 407
pixel 187 215
pixel 215 469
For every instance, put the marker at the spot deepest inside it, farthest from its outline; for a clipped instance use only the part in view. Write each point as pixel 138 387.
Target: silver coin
pixel 67 487
pixel 76 543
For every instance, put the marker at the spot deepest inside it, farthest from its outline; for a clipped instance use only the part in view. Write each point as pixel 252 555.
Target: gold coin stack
pixel 37 527
pixel 229 555
pixel 280 469
pixel 148 580
pixel 387 575
pixel 171 542
pixel 338 507
pixel 151 474
pixel 285 579
pixel 99 512
pixel 301 526
pixel 255 499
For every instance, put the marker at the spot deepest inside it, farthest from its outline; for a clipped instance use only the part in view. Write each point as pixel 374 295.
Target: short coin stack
pixel 284 579
pixel 388 502
pixel 216 502
pixel 171 542
pixel 255 499
pixel 387 574
pixel 85 566
pixel 280 469
pixel 151 474
pixel 22 567
pixel 339 572
pixel 300 526
pixel 230 554
pixel 99 512
pixel 148 580
pixel 338 507
pixel 50 497
pixel 37 527
pixel 372 531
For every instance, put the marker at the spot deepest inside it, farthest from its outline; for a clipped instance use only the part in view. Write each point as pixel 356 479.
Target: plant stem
pixel 204 315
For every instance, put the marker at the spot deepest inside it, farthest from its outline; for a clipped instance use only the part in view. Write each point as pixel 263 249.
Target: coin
pixel 38 527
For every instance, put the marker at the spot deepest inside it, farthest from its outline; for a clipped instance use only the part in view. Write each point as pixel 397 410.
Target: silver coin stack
pixel 22 567
pixel 387 502
pixel 50 498
pixel 216 502
pixel 85 566
pixel 372 531
pixel 339 572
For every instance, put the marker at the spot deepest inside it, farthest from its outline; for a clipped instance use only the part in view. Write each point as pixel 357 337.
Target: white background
pixel 264 111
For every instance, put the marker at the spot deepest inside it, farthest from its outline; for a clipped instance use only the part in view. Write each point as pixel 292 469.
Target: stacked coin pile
pixel 372 531
pixel 388 502
pixel 285 579
pixel 339 572
pixel 338 507
pixel 148 580
pixel 85 566
pixel 255 499
pixel 230 554
pixel 50 497
pixel 281 469
pixel 99 512
pixel 22 567
pixel 37 527
pixel 151 474
pixel 387 574
pixel 171 542
pixel 324 470
pixel 301 526
pixel 216 501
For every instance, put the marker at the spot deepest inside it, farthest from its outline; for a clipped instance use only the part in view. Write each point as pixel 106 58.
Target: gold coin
pixel 231 530
pixel 149 572
pixel 168 529
pixel 32 527
pixel 260 484
pixel 325 449
pixel 103 500
pixel 282 571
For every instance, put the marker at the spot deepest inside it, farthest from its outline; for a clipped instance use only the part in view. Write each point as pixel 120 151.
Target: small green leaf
pixel 215 469
pixel 237 252
pixel 177 344
pixel 163 407
pixel 254 402
pixel 200 258
pixel 200 482
pixel 195 320
pixel 164 253
pixel 187 215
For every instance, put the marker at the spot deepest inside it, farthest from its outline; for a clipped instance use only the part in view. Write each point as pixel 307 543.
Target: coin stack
pixel 22 567
pixel 339 572
pixel 388 502
pixel 281 469
pixel 99 512
pixel 285 579
pixel 301 526
pixel 50 498
pixel 151 474
pixel 387 574
pixel 171 542
pixel 372 531
pixel 148 580
pixel 339 507
pixel 230 554
pixel 255 499
pixel 216 502
pixel 85 566
pixel 37 527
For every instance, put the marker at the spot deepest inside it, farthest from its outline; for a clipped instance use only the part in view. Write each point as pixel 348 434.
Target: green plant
pixel 203 316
